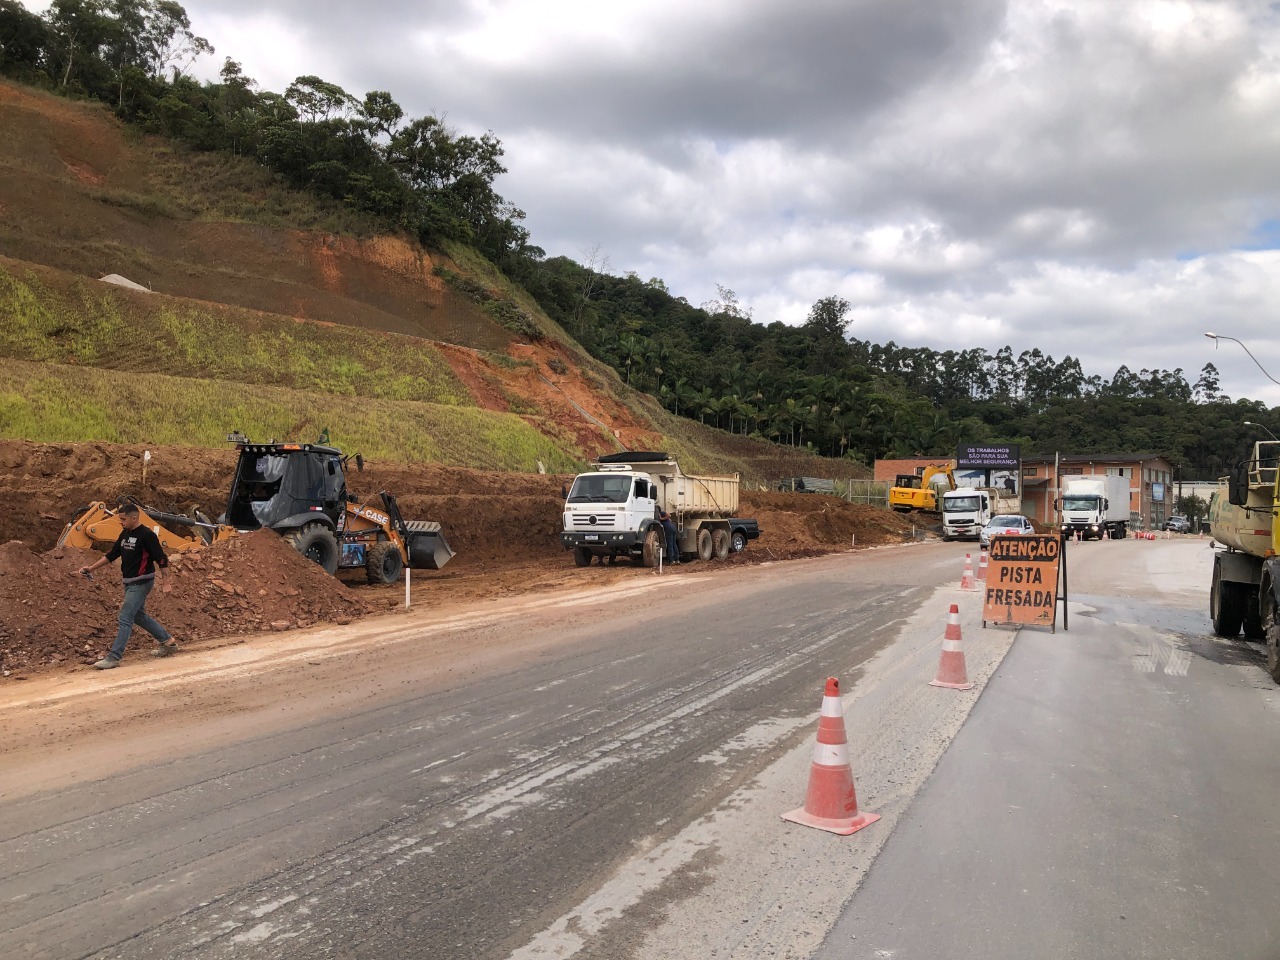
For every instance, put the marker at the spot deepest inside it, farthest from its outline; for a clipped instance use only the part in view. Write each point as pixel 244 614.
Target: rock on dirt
pixel 50 614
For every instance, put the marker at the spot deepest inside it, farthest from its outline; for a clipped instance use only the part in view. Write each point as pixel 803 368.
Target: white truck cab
pixel 965 512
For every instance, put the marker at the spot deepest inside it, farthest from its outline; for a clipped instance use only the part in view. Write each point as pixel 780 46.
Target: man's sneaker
pixel 166 649
pixel 106 663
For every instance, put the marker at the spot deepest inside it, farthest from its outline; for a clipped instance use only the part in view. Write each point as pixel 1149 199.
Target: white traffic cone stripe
pixel 951 646
pixel 831 707
pixel 830 754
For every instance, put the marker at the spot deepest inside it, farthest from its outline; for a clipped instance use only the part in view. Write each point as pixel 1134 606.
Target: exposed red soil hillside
pixel 75 195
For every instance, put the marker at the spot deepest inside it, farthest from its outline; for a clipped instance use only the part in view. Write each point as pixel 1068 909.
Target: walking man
pixel 141 560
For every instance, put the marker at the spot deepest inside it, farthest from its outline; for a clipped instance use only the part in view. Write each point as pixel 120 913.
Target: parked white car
pixel 1006 524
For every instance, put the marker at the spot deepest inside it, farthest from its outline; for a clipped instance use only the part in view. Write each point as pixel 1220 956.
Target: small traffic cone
pixel 982 566
pixel 831 803
pixel 966 579
pixel 951 668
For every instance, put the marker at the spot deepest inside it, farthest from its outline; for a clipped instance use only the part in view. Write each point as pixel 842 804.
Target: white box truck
pixel 613 511
pixel 1093 506
pixel 965 512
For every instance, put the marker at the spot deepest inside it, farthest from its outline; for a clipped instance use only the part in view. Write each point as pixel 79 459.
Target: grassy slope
pixel 48 316
pixel 295 377
pixel 57 403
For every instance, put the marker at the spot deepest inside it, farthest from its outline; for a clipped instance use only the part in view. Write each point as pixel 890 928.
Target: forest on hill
pixel 811 386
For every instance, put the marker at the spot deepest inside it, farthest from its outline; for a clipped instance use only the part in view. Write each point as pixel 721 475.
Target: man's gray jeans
pixel 132 612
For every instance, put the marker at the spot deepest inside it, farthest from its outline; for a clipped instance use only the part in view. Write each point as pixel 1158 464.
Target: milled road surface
pixel 455 806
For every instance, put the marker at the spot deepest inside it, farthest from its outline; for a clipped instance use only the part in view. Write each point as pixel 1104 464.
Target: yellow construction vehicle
pixel 299 490
pixel 97 527
pixel 911 492
pixel 1245 589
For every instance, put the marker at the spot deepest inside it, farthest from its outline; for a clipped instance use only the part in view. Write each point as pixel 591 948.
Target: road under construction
pixel 603 772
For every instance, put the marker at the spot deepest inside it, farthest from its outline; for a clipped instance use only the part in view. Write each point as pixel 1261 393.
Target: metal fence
pixel 872 492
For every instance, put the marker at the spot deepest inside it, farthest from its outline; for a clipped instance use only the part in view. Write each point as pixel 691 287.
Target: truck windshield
pixel 961 504
pixel 594 488
pixel 1079 503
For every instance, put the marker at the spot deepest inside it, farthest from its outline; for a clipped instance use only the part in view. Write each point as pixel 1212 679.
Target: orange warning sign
pixel 1022 580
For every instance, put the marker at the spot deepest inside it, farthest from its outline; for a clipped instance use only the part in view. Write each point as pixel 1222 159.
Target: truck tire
pixel 1226 605
pixel 651 547
pixel 383 563
pixel 317 543
pixel 1253 629
pixel 738 542
pixel 1271 626
pixel 581 557
pixel 720 544
pixel 705 547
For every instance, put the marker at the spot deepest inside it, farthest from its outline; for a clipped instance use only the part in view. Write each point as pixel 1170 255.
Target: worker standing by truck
pixel 141 560
pixel 669 527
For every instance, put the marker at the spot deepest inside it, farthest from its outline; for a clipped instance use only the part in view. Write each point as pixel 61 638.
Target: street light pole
pixel 1217 336
pixel 1250 423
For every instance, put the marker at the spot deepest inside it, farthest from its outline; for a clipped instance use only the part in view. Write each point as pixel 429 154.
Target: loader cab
pixel 276 483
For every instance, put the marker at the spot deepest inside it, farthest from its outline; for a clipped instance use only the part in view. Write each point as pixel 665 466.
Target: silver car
pixel 1012 524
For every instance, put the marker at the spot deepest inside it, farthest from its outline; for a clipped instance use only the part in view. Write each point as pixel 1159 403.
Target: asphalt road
pixel 600 775
pixel 1112 794
pixel 460 820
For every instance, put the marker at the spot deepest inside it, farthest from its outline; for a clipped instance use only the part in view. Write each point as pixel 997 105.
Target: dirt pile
pixel 806 524
pixel 251 584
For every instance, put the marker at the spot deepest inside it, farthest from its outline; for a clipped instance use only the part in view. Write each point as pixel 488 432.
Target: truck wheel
pixel 720 544
pixel 738 542
pixel 705 547
pixel 1253 629
pixel 581 557
pixel 1271 625
pixel 1226 607
pixel 651 547
pixel 317 543
pixel 383 563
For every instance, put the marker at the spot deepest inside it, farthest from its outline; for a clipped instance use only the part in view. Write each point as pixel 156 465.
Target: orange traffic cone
pixel 982 566
pixel 831 803
pixel 966 579
pixel 951 668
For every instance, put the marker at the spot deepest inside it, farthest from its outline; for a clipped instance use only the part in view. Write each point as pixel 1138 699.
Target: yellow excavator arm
pixel 97 527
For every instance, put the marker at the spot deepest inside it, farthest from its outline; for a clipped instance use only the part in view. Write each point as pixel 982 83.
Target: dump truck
pixel 298 490
pixel 1245 589
pixel 1093 506
pixel 911 492
pixel 612 511
pixel 965 512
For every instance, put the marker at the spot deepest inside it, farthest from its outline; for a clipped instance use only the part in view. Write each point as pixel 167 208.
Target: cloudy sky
pixel 1093 177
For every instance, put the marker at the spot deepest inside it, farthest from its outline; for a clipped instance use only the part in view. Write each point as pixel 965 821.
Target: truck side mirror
pixel 1106 504
pixel 1238 486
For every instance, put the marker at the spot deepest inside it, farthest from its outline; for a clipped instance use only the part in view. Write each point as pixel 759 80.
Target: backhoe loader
pixel 299 490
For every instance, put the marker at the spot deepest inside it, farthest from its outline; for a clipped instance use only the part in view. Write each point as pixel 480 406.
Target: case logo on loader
pixel 379 518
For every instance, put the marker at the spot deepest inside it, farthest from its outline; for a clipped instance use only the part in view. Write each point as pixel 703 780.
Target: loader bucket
pixel 428 549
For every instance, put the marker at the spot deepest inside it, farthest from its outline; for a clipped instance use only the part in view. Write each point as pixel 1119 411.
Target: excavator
pixel 299 490
pixel 911 492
